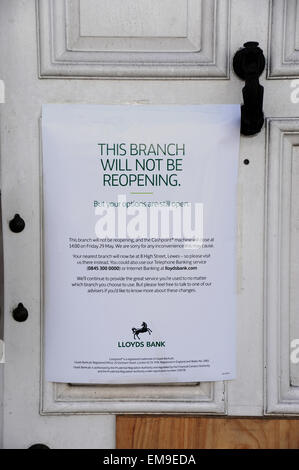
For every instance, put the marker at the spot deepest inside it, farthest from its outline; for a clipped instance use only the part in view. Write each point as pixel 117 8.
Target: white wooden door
pixel 155 52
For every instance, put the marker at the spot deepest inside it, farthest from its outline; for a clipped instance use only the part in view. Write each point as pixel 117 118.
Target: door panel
pixel 129 39
pixel 171 398
pixel 284 39
pixel 282 275
pixel 129 52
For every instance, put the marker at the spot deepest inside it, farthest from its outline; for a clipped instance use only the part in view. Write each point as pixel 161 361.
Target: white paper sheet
pixel 127 298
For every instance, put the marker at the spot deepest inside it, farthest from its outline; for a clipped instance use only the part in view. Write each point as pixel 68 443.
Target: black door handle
pixel 248 64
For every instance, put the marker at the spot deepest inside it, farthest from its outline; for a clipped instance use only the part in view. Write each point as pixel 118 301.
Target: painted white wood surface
pixel 194 44
pixel 68 416
pixel 284 39
pixel 281 273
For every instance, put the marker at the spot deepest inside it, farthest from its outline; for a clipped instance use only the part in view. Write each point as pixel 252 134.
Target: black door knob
pixel 249 63
pixel 17 224
pixel 20 313
pixel 38 446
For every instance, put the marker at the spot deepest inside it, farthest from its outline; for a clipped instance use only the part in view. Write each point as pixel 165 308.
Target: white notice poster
pixel 139 242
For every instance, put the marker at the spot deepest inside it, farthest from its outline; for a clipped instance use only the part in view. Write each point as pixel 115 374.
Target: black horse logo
pixel 144 328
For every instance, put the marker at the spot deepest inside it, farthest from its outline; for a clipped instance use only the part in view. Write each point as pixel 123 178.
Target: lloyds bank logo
pixel 141 344
pixel 144 329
